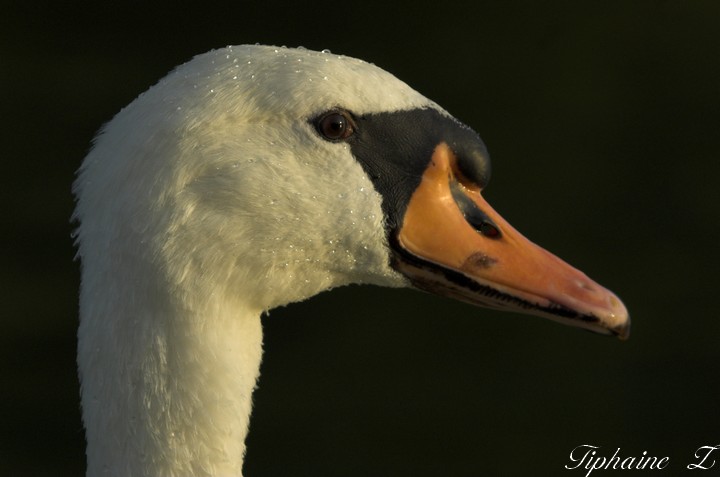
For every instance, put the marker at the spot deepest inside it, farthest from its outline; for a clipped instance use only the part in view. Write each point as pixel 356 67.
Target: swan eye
pixel 335 125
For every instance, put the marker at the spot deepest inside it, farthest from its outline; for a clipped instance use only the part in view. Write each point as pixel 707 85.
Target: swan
pixel 256 176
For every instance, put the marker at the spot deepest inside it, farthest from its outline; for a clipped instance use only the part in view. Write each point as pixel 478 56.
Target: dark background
pixel 602 121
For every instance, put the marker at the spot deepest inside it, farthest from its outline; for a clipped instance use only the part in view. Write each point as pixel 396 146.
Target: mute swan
pixel 252 177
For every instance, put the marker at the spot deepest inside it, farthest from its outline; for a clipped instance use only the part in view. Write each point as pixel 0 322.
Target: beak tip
pixel 623 331
pixel 610 312
pixel 621 317
pixel 616 319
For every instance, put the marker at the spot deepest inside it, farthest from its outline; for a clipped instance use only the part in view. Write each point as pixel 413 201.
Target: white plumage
pixel 201 205
pixel 208 200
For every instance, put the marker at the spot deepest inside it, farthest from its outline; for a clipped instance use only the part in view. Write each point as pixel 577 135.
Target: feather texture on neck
pixel 203 203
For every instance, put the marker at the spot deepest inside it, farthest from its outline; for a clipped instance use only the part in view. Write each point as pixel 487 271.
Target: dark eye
pixel 335 125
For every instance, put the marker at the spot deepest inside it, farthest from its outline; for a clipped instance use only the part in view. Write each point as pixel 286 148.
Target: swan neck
pixel 168 393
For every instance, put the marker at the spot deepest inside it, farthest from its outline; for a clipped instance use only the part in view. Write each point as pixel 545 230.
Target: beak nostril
pixel 489 230
pixel 474 216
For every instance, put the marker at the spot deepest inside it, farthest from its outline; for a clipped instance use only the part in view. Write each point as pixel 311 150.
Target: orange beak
pixel 448 226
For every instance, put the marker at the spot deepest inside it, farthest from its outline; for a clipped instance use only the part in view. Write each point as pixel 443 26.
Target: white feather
pixel 206 201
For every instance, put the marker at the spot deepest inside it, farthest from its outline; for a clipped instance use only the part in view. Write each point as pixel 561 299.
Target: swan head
pixel 284 172
pixel 252 177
